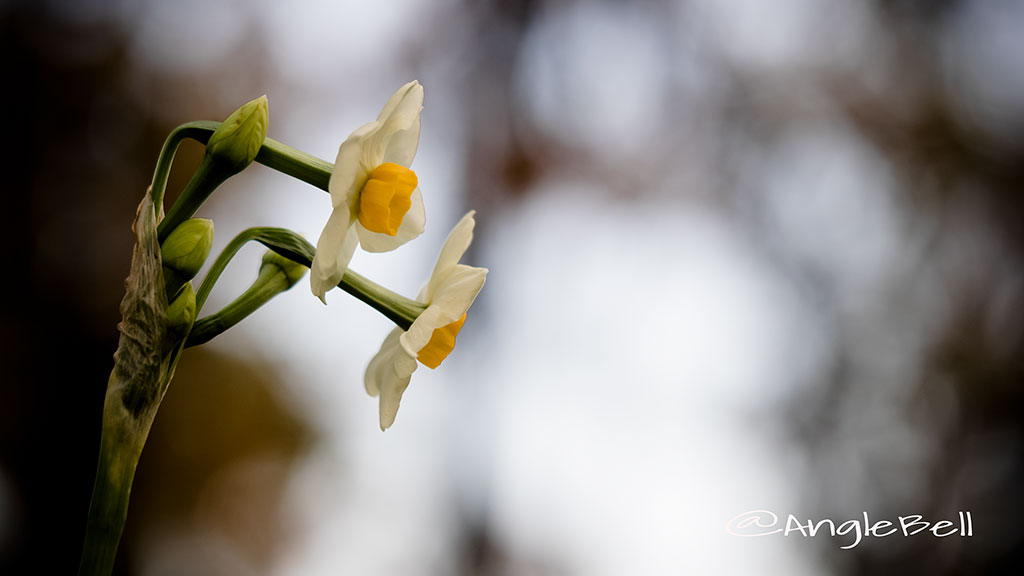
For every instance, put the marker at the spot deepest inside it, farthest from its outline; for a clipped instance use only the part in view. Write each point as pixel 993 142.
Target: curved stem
pixel 199 131
pixel 399 309
pixel 271 281
pixel 210 174
pixel 221 263
pixel 274 154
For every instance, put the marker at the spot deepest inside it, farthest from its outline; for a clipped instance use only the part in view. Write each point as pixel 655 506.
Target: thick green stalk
pixel 120 447
pixel 151 341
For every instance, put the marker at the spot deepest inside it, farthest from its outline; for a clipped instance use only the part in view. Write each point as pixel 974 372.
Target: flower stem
pixel 199 131
pixel 270 282
pixel 295 163
pixel 147 352
pixel 273 154
pixel 399 309
pixel 120 447
pixel 210 174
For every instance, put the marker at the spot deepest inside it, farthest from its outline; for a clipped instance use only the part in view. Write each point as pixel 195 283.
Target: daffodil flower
pixel 448 295
pixel 376 199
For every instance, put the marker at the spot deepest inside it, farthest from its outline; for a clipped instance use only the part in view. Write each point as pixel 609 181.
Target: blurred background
pixel 743 255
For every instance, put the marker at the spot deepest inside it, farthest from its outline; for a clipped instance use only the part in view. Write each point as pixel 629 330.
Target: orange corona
pixel 386 197
pixel 442 341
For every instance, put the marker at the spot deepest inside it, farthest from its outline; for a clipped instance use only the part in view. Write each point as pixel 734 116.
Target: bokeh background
pixel 744 255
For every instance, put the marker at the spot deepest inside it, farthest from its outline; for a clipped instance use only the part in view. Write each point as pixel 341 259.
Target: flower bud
pixel 181 313
pixel 293 271
pixel 185 251
pixel 239 138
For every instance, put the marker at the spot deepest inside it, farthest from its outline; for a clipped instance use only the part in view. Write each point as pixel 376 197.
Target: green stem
pixel 106 517
pixel 221 263
pixel 275 155
pixel 271 281
pixel 124 435
pixel 295 163
pixel 399 309
pixel 210 174
pixel 213 172
pixel 199 131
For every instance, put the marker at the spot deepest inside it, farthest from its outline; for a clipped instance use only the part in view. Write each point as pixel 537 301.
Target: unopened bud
pixel 181 313
pixel 185 251
pixel 293 271
pixel 238 139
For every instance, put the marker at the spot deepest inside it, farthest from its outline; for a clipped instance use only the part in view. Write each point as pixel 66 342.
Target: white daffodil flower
pixel 376 198
pixel 448 294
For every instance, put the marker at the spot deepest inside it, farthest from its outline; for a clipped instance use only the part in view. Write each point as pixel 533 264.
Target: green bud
pixel 293 271
pixel 230 149
pixel 182 311
pixel 239 138
pixel 186 249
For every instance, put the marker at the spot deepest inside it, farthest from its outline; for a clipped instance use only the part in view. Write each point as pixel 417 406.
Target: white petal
pixel 401 147
pixel 405 113
pixel 455 246
pixel 457 292
pixel 399 133
pixel 390 398
pixel 333 252
pixel 453 299
pixel 421 330
pixel 351 166
pixel 382 362
pixel 388 376
pixel 398 96
pixel 412 226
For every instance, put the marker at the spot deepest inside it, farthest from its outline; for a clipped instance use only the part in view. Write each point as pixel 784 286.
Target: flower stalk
pixel 297 250
pixel 277 274
pixel 273 154
pixel 152 338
